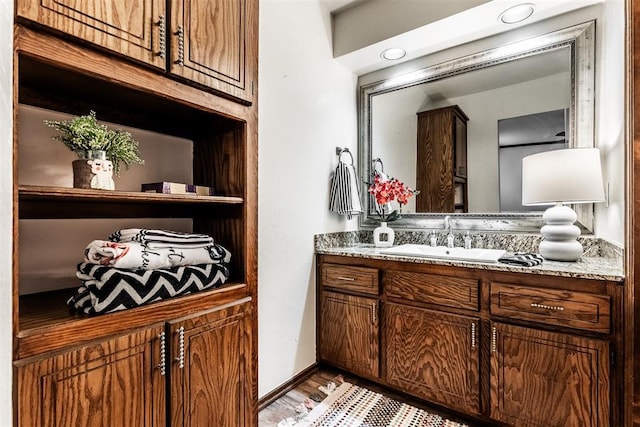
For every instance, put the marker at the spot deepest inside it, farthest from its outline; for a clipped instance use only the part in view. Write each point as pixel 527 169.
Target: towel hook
pixel 340 151
pixel 376 161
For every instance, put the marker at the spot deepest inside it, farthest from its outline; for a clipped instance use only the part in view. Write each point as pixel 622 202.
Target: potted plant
pixel 101 150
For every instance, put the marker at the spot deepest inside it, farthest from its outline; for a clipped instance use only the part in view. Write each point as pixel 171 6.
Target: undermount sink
pixel 443 252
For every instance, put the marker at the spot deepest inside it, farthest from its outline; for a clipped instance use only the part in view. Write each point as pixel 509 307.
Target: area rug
pixel 352 406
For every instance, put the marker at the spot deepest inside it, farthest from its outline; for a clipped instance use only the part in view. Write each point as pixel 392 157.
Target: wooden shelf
pixel 81 203
pixel 46 323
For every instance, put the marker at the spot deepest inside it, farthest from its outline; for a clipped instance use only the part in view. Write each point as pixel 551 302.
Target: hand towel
pixel 344 197
pixel 523 260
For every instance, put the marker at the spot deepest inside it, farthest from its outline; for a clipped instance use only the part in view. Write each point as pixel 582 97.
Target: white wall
pixel 307 107
pixel 6 219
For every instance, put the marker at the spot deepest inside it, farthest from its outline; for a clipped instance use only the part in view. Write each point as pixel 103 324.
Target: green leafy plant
pixel 84 133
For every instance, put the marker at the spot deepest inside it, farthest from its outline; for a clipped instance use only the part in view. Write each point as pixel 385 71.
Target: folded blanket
pixel 523 260
pixel 106 289
pixel 155 239
pixel 134 255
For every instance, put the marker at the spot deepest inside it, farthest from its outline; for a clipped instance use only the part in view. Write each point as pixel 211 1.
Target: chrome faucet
pixel 449 229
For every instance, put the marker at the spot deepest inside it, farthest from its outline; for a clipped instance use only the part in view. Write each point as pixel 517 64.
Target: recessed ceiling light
pixel 393 53
pixel 517 13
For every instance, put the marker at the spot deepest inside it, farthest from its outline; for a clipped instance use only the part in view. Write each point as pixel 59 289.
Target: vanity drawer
pixel 557 307
pixel 430 288
pixel 359 279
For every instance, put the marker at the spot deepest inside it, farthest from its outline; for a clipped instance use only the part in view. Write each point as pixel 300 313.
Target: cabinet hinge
pixel 253 90
pixel 613 358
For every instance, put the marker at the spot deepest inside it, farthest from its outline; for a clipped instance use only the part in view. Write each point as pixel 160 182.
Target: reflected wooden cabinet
pixel 212 43
pixel 348 332
pixel 117 382
pixel 434 356
pixel 441 162
pixel 566 375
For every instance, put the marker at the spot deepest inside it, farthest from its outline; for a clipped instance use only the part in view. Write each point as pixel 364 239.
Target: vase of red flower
pixel 386 190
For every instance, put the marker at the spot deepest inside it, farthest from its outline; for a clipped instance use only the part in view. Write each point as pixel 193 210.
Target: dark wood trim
pixel 632 307
pixel 280 391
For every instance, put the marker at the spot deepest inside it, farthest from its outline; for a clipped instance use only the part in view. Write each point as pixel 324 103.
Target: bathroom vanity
pixel 498 343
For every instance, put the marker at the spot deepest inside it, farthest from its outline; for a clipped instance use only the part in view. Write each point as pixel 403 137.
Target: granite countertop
pixel 607 265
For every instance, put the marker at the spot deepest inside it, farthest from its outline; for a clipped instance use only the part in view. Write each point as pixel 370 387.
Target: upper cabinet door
pixel 214 44
pixel 134 28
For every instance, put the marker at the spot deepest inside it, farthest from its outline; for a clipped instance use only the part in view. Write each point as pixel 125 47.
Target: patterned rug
pixel 352 406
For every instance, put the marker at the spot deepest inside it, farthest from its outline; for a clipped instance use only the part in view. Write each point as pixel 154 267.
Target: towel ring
pixel 374 162
pixel 340 151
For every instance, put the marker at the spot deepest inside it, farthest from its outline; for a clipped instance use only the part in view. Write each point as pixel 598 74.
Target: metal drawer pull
pixel 163 354
pixel 162 30
pixel 473 335
pixel 374 313
pixel 180 358
pixel 350 279
pixel 494 338
pixel 547 307
pixel 180 34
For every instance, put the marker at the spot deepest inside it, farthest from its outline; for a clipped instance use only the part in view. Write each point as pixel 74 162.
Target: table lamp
pixel 560 177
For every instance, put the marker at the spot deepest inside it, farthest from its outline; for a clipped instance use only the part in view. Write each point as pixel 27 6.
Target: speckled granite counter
pixel 603 261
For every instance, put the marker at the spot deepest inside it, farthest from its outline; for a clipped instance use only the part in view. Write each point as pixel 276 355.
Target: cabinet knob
pixel 180 358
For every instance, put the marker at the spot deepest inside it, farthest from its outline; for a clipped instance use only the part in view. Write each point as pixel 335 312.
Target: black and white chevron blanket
pixel 108 289
pixel 523 260
pixel 153 238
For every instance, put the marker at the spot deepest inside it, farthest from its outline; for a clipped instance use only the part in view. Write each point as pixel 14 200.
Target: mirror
pixel 552 73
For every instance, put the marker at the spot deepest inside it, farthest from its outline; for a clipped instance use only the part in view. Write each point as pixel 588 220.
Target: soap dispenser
pixel 434 239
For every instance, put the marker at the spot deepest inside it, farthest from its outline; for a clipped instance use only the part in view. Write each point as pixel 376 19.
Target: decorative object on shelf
pixel 383 236
pixel 344 197
pixel 166 187
pixel 558 177
pixel 101 151
pixel 385 190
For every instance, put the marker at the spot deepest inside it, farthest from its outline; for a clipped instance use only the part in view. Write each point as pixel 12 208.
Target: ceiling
pixel 477 21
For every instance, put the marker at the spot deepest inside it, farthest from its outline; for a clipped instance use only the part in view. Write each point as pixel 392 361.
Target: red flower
pixel 387 190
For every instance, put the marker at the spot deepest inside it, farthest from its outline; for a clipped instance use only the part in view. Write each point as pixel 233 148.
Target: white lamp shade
pixel 572 175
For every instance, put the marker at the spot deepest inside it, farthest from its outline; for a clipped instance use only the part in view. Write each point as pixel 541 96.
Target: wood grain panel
pixel 434 356
pixel 552 306
pixel 129 28
pixel 442 290
pixel 348 333
pixel 115 382
pixel 211 388
pixel 218 50
pixel 351 278
pixel 566 375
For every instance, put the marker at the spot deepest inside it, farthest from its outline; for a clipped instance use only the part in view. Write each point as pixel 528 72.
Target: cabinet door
pixel 113 383
pixel 541 378
pixel 434 356
pixel 348 333
pixel 133 28
pixel 210 366
pixel 213 44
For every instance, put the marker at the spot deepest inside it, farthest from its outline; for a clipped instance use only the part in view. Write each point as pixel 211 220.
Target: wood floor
pixel 285 406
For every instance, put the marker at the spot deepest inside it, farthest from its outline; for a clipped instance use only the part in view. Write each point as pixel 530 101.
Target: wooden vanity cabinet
pixel 549 379
pixel 518 349
pixel 348 318
pixel 441 160
pixel 211 43
pixel 433 355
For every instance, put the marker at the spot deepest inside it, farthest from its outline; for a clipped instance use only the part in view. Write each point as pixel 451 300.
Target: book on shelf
pixel 166 187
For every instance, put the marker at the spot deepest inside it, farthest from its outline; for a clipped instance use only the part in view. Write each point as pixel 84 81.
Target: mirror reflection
pixel 455 131
pixel 459 140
